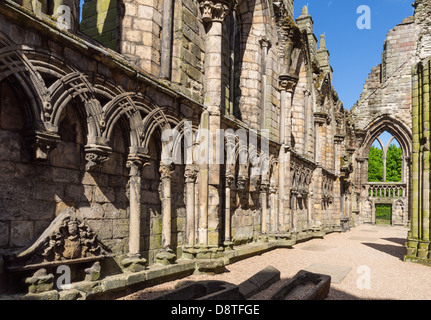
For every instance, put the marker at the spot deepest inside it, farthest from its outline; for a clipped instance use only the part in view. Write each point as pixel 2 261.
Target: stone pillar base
pixel 166 257
pixel 202 252
pixel 228 245
pixel 134 264
pixel 41 281
pixel 418 251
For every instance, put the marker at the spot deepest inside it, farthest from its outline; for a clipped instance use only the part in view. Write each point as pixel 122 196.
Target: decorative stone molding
pixel 214 10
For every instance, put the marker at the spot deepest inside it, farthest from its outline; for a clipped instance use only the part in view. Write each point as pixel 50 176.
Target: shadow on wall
pixel 100 20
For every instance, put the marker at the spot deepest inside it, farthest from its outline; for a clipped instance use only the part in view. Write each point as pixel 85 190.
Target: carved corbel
pixel 96 155
pixel 41 143
pixel 240 184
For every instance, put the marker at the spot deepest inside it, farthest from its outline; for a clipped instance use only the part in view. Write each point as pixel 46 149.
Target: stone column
pixel 265 45
pixel 190 176
pixel 166 255
pixel 384 166
pixel 264 188
pixel 307 120
pixel 287 85
pixel 166 51
pixel 274 208
pixel 227 233
pixel 214 13
pixel 135 162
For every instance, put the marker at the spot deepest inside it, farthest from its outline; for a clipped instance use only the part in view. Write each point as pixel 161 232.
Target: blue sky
pixel 353 52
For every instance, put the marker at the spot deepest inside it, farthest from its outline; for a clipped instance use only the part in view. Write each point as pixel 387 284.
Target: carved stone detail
pixel 166 171
pixel 41 143
pixel 135 162
pixel 95 157
pixel 214 10
pixel 68 238
pixel 287 83
pixel 190 174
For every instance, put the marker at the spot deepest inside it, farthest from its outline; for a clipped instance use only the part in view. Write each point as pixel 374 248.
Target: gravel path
pixel 377 249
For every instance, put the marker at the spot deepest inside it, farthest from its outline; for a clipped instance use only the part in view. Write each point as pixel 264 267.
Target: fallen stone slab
pixel 304 286
pixel 259 282
pixel 203 290
pixel 337 273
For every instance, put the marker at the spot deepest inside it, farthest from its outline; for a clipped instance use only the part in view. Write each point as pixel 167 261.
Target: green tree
pixel 393 164
pixel 375 165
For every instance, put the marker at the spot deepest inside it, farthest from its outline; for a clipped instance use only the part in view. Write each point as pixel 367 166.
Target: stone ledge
pixel 128 282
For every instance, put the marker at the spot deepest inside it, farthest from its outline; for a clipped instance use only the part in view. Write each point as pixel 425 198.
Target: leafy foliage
pixel 393 164
pixel 383 212
pixel 375 165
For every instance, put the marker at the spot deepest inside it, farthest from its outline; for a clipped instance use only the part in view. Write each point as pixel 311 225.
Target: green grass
pixel 383 213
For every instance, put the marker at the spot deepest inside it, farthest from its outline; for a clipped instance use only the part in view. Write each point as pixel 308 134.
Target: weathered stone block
pixel 22 233
pixel 4 234
pixel 120 228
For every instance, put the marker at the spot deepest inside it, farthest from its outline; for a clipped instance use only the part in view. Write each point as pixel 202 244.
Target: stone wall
pixel 88 127
pixel 388 86
pixel 188 49
pixel 100 21
pixel 419 240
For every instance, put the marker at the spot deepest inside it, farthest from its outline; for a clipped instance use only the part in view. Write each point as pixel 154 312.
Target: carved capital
pixel 214 10
pixel 190 174
pixel 273 189
pixel 320 118
pixel 229 180
pixel 240 184
pixel 166 171
pixel 264 186
pixel 135 162
pixel 95 156
pixel 287 83
pixel 265 43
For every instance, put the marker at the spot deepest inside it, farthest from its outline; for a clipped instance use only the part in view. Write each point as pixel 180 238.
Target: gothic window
pixel 385 159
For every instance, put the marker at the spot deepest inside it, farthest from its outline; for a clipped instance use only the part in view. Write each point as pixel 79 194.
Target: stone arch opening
pixel 385 159
pixel 382 188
